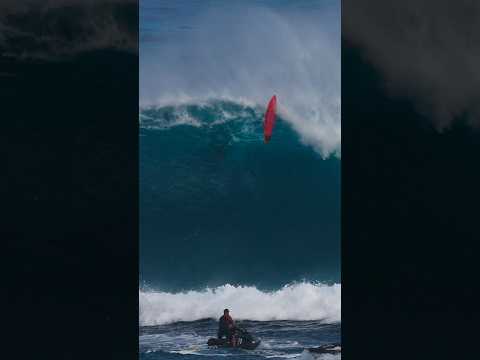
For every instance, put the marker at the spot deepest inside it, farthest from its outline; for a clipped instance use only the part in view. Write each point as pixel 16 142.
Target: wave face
pixel 302 301
pixel 246 52
pixel 219 206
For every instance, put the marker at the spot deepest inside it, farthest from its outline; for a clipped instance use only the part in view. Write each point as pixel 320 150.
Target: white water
pixel 300 301
pixel 246 54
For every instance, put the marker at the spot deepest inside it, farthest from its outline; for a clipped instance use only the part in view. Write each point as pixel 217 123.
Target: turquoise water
pixel 226 220
pixel 219 206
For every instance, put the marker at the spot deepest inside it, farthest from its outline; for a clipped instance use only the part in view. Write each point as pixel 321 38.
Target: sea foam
pixel 299 301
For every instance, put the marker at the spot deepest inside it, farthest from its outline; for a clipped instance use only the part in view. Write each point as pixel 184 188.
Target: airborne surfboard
pixel 269 119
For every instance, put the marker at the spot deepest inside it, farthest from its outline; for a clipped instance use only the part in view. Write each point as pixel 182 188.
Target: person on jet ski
pixel 226 327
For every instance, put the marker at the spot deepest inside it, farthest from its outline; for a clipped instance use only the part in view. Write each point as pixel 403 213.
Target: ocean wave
pixel 244 119
pixel 298 301
pixel 295 57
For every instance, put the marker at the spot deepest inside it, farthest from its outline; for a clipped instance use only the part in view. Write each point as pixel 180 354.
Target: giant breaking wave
pixel 295 56
pixel 299 301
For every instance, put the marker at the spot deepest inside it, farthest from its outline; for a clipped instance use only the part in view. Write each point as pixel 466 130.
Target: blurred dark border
pixel 409 205
pixel 69 95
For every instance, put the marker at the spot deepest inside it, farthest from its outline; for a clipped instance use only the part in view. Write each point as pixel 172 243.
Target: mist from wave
pixel 298 301
pixel 293 54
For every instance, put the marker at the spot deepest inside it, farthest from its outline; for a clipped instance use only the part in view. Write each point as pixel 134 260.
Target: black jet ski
pixel 326 349
pixel 245 340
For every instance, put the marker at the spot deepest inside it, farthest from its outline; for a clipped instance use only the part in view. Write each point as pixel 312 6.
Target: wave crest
pixel 296 57
pixel 299 301
pixel 209 113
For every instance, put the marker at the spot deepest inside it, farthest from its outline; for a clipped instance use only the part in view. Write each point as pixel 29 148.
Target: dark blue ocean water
pixel 219 206
pixel 226 220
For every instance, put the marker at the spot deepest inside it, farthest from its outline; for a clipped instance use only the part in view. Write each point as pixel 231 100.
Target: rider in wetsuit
pixel 226 327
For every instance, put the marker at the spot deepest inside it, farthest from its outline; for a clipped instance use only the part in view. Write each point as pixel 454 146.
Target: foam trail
pixel 293 54
pixel 300 301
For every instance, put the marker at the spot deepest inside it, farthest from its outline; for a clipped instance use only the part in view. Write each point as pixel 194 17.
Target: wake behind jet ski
pixel 326 349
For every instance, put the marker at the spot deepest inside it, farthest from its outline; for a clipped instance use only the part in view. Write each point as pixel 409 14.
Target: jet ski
pixel 326 349
pixel 244 340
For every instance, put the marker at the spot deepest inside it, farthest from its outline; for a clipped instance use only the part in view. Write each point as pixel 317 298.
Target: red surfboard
pixel 269 119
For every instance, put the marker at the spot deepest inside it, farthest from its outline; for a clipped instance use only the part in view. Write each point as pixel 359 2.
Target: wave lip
pixel 293 56
pixel 199 114
pixel 298 301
